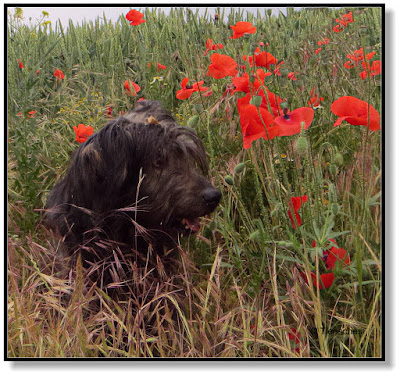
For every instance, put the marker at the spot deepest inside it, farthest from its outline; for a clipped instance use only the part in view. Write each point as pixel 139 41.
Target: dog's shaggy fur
pixel 140 180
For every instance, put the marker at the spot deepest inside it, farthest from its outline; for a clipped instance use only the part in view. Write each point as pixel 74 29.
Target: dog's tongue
pixel 193 224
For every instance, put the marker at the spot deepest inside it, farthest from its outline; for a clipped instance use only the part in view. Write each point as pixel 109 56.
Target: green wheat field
pixel 290 263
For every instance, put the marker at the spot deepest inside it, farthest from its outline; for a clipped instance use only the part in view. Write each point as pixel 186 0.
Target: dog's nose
pixel 211 196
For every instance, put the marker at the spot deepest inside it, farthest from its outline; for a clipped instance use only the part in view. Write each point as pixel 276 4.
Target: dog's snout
pixel 211 196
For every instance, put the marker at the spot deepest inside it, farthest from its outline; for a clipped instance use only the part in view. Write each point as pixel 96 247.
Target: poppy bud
pixel 255 236
pixel 284 105
pixel 269 12
pixel 335 208
pixel 198 108
pixel 333 169
pixel 332 193
pixel 302 145
pixel 229 180
pixel 256 100
pixel 239 168
pixel 193 121
pixel 313 60
pixel 284 72
pixel 337 159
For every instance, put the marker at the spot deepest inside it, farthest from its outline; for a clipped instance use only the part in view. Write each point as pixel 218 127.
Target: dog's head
pixel 140 173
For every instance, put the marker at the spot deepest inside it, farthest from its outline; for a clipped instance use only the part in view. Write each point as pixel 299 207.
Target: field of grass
pixel 264 277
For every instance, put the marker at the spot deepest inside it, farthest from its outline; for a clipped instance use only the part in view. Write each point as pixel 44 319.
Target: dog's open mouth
pixel 188 226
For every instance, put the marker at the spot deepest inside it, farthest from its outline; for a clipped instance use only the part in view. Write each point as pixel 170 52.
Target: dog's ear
pixel 152 121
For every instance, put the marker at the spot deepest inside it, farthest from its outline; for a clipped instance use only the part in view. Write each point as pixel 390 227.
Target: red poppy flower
pixel 186 91
pixel 292 76
pixel 19 114
pixel 59 74
pixel 355 112
pixel 242 28
pixel 37 71
pixel 254 126
pixel 290 123
pixel 260 78
pixel 21 66
pixel 373 69
pixel 317 51
pixel 295 204
pixel 31 114
pixel 135 17
pixel 335 255
pixel 83 132
pixel 273 99
pixel 277 70
pixel 109 111
pixel 326 280
pixel 294 335
pixel 262 59
pixel 222 66
pixel 212 47
pixel 315 101
pixel 242 83
pixel 159 66
pixel 131 88
pixel 338 28
pixel 323 42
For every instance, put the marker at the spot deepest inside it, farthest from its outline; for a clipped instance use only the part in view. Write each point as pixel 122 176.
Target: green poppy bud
pixel 335 208
pixel 337 159
pixel 229 180
pixel 198 108
pixel 269 12
pixel 255 236
pixel 193 121
pixel 333 169
pixel 302 145
pixel 256 100
pixel 239 168
pixel 363 30
pixel 284 105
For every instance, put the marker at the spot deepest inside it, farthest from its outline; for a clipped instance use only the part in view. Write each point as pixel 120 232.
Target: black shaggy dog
pixel 140 180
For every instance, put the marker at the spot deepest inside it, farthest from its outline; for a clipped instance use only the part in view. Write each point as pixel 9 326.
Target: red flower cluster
pixel 315 100
pixel 212 47
pixel 131 88
pixel 372 70
pixel 135 17
pixel 59 74
pixel 323 42
pixel 269 125
pixel 82 132
pixel 241 28
pixel 343 22
pixel 356 112
pixel 261 59
pixel 294 206
pixel 186 91
pixel 332 258
pixel 159 66
pixel 21 66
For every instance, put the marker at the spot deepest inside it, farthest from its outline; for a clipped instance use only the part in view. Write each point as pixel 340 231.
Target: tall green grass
pixel 248 294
